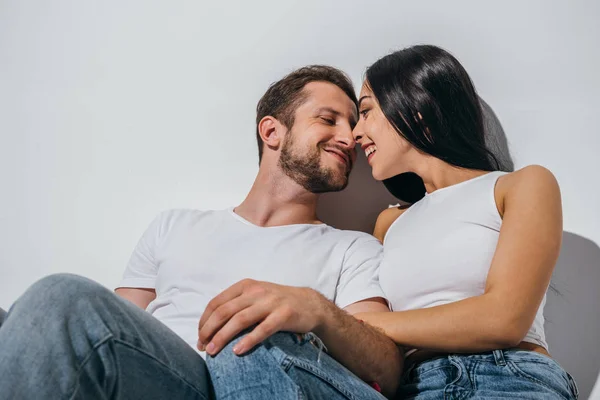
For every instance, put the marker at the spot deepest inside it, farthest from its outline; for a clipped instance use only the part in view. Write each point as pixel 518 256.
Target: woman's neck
pixel 438 174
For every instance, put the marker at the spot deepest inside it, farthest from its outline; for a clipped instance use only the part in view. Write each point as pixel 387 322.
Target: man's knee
pixel 259 355
pixel 59 294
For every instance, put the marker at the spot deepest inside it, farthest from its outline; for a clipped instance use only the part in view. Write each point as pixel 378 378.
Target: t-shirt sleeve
pixel 359 279
pixel 142 268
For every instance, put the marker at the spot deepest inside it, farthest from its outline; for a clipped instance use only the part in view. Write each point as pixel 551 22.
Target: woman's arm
pixel 521 269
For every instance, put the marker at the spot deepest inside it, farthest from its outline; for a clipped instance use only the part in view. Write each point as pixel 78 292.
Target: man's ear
pixel 271 131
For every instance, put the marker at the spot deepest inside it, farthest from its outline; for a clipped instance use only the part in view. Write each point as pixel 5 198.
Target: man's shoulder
pixel 352 234
pixel 354 239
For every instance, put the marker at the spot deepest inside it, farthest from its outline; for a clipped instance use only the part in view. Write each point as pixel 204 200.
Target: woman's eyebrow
pixel 361 99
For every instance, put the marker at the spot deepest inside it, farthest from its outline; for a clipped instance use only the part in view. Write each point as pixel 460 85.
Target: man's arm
pixel 364 350
pixel 139 296
pixel 139 278
pixel 368 353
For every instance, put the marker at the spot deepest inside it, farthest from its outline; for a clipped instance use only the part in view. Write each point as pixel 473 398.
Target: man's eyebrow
pixel 328 109
pixel 361 99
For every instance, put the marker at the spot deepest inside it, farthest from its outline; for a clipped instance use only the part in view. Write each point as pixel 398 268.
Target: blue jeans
pixel 285 366
pixel 509 374
pixel 69 337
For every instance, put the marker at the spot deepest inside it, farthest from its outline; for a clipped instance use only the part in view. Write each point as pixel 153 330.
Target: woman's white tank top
pixel 440 249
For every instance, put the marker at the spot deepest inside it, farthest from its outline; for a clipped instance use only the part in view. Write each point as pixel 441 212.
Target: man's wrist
pixel 325 313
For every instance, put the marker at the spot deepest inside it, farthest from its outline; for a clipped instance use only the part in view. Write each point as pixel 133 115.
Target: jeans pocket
pixel 440 373
pixel 431 380
pixel 548 375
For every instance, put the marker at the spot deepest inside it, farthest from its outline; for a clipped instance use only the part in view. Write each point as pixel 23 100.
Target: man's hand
pixel 269 306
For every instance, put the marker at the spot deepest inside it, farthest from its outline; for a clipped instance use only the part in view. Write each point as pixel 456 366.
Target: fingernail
pixel 237 349
pixel 210 348
pixel 201 346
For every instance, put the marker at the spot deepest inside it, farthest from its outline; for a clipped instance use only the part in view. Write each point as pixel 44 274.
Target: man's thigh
pixel 287 366
pixel 70 337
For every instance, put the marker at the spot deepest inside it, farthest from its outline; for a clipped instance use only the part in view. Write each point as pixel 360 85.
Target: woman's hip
pixel 500 374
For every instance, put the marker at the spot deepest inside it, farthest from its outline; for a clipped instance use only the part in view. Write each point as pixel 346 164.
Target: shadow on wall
pixel 573 320
pixel 357 207
pixel 572 316
pixel 495 138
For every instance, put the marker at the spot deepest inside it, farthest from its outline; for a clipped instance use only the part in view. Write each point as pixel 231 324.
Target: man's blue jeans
pixel 68 337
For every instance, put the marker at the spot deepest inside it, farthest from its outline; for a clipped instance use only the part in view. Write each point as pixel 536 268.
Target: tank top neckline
pixel 459 184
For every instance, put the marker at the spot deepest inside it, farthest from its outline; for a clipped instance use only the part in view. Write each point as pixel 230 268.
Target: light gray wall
pixel 112 111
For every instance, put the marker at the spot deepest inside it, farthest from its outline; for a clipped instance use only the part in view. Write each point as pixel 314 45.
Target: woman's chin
pixel 377 175
pixel 381 174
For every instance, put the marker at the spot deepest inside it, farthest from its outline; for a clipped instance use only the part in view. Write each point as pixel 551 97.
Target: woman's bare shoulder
pixel 386 218
pixel 527 181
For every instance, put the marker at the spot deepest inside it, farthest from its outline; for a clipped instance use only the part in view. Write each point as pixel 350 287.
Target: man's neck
pixel 275 200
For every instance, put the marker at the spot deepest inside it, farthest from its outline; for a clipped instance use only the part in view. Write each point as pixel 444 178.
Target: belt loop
pixel 499 358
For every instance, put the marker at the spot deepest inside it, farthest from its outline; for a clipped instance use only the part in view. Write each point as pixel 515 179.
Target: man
pixel 269 265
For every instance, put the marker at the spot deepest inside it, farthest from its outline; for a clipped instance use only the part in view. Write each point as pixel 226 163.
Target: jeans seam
pixel 115 340
pixel 449 387
pixel 516 370
pixel 309 368
pixel 473 375
pixel 426 371
pixel 301 395
pixel 573 386
pixel 134 347
pixel 85 360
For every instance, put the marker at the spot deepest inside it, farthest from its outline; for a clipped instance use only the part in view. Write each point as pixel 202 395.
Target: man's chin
pixel 340 168
pixel 340 183
pixel 333 187
pixel 340 171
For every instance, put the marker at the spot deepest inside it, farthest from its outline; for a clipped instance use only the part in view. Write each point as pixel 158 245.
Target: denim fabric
pixel 285 366
pixel 70 338
pixel 502 374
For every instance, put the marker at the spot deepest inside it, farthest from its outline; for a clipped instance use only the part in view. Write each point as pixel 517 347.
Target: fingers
pixel 226 295
pixel 239 322
pixel 219 317
pixel 245 304
pixel 272 324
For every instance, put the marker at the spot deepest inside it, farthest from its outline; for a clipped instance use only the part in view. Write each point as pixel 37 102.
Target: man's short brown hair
pixel 284 96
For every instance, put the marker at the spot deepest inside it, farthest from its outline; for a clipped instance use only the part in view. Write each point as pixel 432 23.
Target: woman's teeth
pixel 370 150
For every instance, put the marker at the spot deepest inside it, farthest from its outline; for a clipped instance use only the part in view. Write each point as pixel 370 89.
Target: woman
pixel 466 266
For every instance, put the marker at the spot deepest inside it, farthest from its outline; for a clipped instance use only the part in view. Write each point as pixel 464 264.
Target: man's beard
pixel 307 171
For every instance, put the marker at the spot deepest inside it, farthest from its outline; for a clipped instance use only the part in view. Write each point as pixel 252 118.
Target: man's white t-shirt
pixel 190 256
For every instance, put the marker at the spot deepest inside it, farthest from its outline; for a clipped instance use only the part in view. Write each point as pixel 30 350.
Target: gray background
pixel 112 111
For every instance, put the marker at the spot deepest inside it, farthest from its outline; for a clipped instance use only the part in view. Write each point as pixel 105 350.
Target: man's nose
pixel 346 138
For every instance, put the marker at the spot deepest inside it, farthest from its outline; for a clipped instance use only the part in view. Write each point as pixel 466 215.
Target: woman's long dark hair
pixel 428 97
